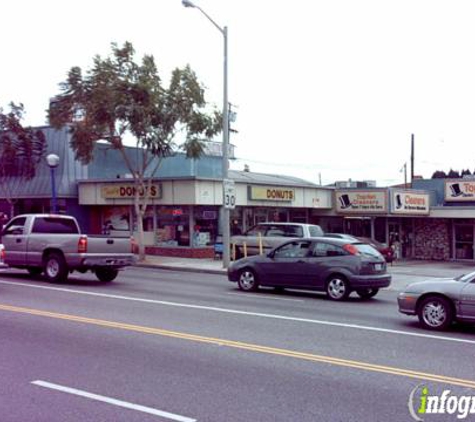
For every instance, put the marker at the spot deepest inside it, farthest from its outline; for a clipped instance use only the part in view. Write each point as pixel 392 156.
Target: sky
pixel 324 90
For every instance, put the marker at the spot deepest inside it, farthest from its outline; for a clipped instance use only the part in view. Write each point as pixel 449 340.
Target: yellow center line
pixel 249 346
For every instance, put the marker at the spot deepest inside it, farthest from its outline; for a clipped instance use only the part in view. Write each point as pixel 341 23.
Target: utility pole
pixel 412 158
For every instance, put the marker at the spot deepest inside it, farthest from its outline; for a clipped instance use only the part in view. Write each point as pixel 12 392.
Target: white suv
pixel 271 235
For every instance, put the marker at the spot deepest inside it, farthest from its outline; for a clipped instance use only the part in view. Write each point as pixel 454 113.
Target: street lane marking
pixel 248 346
pixel 247 313
pixel 248 296
pixel 115 402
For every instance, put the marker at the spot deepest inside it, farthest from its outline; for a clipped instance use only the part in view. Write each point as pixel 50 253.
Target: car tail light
pixel 2 255
pixel 82 244
pixel 351 249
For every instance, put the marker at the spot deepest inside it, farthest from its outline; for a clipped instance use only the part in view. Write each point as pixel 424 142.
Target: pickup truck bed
pixel 54 245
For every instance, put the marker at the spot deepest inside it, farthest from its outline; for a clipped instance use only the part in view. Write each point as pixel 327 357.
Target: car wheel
pixel 435 313
pixel 337 288
pixel 247 281
pixel 367 293
pixel 34 271
pixel 106 274
pixel 55 268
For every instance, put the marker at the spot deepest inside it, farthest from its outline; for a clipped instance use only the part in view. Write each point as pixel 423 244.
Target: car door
pixel 15 241
pixel 467 300
pixel 322 258
pixel 285 264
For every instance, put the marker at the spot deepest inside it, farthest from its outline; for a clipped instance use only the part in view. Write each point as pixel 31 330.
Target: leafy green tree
pixel 466 173
pixel 117 99
pixel 21 149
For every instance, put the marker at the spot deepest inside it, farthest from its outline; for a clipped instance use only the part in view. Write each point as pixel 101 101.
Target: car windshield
pixel 366 250
pixel 465 277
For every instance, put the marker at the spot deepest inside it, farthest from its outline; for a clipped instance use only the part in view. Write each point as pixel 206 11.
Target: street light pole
pixel 225 146
pixel 53 162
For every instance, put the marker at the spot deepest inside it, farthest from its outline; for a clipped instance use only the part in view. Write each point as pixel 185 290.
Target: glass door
pixel 463 238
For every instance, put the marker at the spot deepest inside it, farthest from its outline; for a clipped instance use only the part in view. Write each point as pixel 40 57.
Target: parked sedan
pixel 2 256
pixel 382 248
pixel 334 266
pixel 438 303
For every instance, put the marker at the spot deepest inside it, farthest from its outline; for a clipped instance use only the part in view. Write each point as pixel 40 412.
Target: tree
pixel 439 174
pixel 466 173
pixel 117 98
pixel 21 149
pixel 453 174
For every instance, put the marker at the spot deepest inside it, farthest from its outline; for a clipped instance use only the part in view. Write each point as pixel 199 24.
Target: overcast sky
pixel 325 89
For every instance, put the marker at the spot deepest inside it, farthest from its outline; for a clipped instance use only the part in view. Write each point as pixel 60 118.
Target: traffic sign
pixel 229 194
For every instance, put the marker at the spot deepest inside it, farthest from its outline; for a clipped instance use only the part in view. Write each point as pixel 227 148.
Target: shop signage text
pixel 128 191
pixel 459 190
pixel 410 203
pixel 263 193
pixel 361 201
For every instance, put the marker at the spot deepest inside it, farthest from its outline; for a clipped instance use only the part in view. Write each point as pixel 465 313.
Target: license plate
pixel 378 267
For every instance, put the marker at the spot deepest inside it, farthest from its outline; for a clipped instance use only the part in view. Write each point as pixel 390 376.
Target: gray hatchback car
pixel 438 303
pixel 334 266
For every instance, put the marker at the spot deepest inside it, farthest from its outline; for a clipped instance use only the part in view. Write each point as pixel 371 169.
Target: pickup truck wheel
pixel 106 274
pixel 55 268
pixel 34 271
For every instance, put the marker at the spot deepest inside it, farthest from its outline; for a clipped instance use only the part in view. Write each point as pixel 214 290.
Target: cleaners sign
pixel 459 190
pixel 361 201
pixel 404 202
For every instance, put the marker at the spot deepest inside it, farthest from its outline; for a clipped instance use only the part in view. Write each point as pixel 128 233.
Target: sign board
pixel 229 194
pixel 459 190
pixel 127 190
pixel 271 193
pixel 405 202
pixel 361 201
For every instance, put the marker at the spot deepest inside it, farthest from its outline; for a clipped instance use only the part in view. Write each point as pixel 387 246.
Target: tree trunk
pixel 141 238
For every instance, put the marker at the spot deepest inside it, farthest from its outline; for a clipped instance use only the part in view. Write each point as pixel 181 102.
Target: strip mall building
pixel 433 220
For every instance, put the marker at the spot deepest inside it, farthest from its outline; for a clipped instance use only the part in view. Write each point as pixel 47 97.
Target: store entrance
pixel 463 239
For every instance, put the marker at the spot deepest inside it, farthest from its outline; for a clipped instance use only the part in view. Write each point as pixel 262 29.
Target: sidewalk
pixel 210 266
pixel 408 267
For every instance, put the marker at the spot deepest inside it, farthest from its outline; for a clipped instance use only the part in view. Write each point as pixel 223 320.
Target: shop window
pixel 116 219
pixel 173 226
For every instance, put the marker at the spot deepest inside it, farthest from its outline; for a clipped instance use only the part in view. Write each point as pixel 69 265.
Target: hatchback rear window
pixel 54 225
pixel 366 250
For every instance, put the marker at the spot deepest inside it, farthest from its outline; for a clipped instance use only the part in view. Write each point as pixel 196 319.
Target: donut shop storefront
pixel 183 216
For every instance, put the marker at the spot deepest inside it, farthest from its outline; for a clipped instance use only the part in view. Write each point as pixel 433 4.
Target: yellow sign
pixel 264 193
pixel 128 191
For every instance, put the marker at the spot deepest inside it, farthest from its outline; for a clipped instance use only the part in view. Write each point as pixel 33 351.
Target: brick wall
pixel 432 239
pixel 182 252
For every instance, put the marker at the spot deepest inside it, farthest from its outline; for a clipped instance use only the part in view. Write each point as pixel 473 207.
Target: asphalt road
pixel 167 345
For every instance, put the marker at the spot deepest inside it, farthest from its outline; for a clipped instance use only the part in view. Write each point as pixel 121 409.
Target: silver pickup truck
pixel 54 245
pixel 265 236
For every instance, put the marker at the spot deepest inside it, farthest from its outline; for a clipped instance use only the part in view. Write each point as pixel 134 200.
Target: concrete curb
pixel 183 269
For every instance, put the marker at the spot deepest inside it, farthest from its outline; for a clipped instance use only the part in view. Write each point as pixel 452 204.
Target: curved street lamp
pixel 53 163
pixel 225 210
